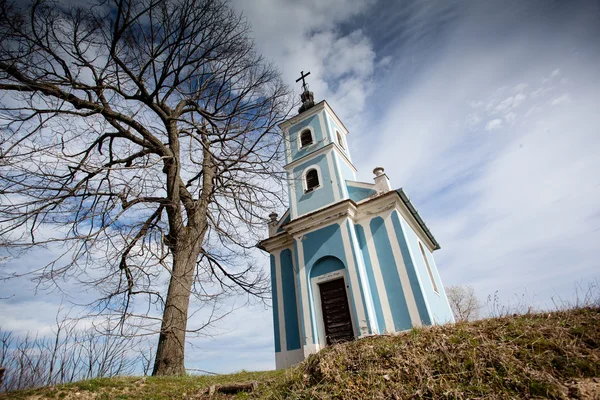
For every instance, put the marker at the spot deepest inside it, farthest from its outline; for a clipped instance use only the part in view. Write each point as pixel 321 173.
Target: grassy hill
pixel 549 355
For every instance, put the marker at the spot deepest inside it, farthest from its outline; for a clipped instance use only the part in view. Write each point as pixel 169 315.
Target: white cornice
pixel 316 153
pixel 280 241
pixel 326 216
pixel 380 205
pixel 285 125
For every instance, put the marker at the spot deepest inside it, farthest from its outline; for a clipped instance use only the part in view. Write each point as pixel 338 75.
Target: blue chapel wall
pixel 288 287
pixel 274 298
pixel 326 265
pixel 308 202
pixel 438 304
pixel 389 272
pixel 324 242
pixel 362 244
pixel 409 264
pixel 359 193
pixel 313 122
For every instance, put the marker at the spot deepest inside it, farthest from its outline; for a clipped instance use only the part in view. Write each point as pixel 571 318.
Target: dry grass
pixel 542 355
pixel 554 355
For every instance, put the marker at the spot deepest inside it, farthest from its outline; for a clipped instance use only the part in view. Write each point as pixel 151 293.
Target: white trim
pixel 362 185
pixel 339 172
pixel 362 274
pixel 288 145
pixel 409 296
pixel 292 189
pixel 379 283
pixel 306 318
pixel 298 296
pixel 312 111
pixel 280 308
pixel 334 182
pixel 356 286
pixel 434 285
pixel 299 138
pixel 326 139
pixel 317 168
pixel 283 217
pixel 412 256
pixel 307 157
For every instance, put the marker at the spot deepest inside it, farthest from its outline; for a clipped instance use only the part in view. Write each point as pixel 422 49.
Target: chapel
pixel 348 259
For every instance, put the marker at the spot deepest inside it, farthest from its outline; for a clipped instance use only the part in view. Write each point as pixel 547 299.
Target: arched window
pixel 340 141
pixel 306 138
pixel 312 180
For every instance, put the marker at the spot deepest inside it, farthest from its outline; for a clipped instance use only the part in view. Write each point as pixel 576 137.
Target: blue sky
pixel 485 112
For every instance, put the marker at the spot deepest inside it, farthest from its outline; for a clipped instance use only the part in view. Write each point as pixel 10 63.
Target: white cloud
pixel 561 100
pixel 516 212
pixel 493 124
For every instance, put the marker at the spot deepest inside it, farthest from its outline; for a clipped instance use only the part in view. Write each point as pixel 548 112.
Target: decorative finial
pixel 273 217
pixel 307 96
pixel 378 171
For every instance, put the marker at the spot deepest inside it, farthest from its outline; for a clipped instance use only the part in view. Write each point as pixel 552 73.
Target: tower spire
pixel 307 96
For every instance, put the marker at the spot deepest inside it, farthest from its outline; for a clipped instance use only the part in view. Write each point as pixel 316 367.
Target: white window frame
pixel 340 139
pixel 299 136
pixel 319 175
pixel 436 290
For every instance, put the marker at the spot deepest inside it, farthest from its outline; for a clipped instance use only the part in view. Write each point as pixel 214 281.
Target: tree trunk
pixel 171 342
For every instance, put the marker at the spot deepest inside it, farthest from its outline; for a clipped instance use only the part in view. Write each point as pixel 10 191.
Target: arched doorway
pixel 328 278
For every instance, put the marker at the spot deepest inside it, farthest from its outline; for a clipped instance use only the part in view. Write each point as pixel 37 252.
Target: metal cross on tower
pixel 302 76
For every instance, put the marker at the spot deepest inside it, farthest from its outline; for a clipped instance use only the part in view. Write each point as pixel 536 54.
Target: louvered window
pixel 312 180
pixel 306 138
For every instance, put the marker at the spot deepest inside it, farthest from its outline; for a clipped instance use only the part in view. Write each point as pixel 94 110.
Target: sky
pixel 485 112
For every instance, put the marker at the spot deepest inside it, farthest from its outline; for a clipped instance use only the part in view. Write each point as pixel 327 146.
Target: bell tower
pixel 317 156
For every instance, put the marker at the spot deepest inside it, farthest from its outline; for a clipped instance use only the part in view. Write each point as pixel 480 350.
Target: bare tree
pixel 463 301
pixel 141 136
pixel 71 354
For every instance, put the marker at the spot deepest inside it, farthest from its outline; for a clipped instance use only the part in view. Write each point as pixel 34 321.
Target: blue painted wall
pixel 308 202
pixel 321 243
pixel 438 304
pixel 362 243
pixel 410 270
pixel 292 329
pixel 389 271
pixel 326 265
pixel 359 193
pixel 275 309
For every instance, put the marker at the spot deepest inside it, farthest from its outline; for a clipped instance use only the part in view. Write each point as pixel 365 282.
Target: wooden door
pixel 336 313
